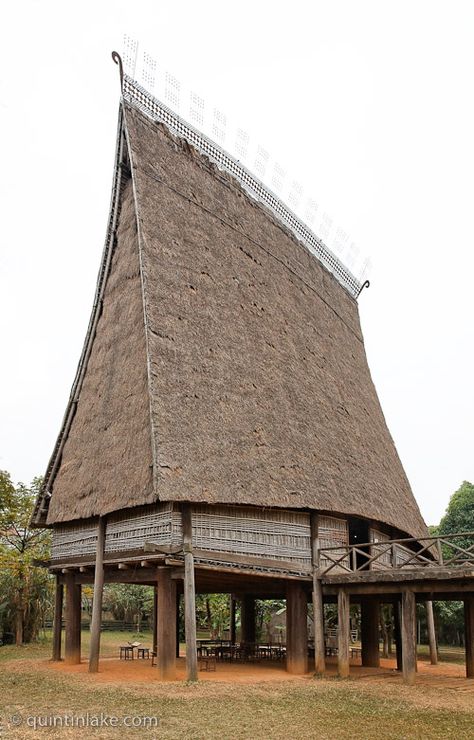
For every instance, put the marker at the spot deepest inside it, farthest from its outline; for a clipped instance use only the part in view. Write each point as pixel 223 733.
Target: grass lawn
pixel 299 708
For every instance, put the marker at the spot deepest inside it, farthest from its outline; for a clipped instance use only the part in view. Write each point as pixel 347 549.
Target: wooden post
pixel 189 596
pixel 318 605
pixel 397 622
pixel 58 619
pixel 178 622
pixel 431 633
pixel 232 630
pixel 370 615
pixel 73 620
pixel 409 636
pixel 166 625
pixel 343 633
pixel 296 628
pixel 247 620
pixel 96 619
pixel 155 616
pixel 469 634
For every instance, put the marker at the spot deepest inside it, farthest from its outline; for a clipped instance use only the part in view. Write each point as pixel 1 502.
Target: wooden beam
pixel 58 619
pixel 189 595
pixel 155 616
pixel 409 636
pixel 432 573
pixel 178 621
pixel 469 634
pixel 437 590
pixel 431 633
pixel 96 619
pixel 166 632
pixel 343 633
pixel 397 623
pixel 73 620
pixel 370 617
pixel 318 605
pixel 296 629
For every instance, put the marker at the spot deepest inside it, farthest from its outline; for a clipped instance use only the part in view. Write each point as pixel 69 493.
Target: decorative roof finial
pixel 118 60
pixel 366 284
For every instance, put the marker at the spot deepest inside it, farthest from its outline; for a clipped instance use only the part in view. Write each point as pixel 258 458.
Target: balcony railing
pixel 449 551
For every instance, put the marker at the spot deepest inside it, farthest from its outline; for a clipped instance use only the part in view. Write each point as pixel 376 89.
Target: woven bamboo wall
pixel 385 560
pixel 333 531
pixel 70 541
pixel 129 531
pixel 275 534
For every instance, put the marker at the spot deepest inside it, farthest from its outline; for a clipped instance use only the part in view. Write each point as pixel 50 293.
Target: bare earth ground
pixel 237 701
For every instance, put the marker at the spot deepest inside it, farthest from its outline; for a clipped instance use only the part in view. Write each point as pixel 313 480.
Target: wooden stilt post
pixel 370 615
pixel 469 634
pixel 409 636
pixel 178 622
pixel 58 619
pixel 96 619
pixel 73 620
pixel 189 596
pixel 397 623
pixel 296 628
pixel 318 606
pixel 232 620
pixel 247 620
pixel 166 625
pixel 431 633
pixel 155 617
pixel 343 633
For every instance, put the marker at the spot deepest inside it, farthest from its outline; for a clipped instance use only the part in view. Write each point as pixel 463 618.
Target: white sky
pixel 368 104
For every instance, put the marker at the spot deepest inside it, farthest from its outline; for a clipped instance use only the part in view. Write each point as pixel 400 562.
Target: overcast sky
pixel 368 106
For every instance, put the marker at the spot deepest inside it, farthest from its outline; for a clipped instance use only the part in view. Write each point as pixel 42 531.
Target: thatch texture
pixel 259 386
pixel 107 462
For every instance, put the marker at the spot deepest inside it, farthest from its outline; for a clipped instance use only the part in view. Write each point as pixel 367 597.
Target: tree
pixel 129 602
pixel 7 493
pixel 25 591
pixel 459 517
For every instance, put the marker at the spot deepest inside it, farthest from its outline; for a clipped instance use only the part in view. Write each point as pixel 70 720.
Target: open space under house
pixel 223 433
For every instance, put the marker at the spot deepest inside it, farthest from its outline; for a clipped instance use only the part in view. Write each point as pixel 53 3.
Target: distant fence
pixel 108 626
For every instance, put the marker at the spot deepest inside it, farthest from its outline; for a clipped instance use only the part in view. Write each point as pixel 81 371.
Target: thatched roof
pixel 227 364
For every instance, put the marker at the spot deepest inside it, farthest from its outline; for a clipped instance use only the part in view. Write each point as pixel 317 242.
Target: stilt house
pixel 223 426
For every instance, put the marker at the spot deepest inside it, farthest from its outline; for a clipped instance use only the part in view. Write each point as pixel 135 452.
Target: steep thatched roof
pixel 227 364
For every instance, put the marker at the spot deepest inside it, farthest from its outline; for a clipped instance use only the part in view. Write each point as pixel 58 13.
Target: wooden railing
pixel 426 552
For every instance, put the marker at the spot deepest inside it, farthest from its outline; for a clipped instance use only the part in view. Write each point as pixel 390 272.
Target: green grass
pixel 305 708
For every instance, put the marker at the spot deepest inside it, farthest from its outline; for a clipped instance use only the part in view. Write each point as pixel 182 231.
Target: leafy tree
pixel 264 612
pixel 459 517
pixel 129 602
pixel 7 494
pixel 25 591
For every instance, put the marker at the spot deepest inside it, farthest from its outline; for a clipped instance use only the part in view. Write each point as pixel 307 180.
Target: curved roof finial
pixel 366 284
pixel 118 60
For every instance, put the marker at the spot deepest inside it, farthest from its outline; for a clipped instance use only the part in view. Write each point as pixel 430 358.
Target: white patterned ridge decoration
pixel 154 109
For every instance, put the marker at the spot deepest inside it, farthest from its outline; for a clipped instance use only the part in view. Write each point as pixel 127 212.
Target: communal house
pixel 223 433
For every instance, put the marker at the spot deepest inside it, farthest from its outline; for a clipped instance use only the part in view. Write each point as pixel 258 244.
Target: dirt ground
pixel 240 701
pixel 447 678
